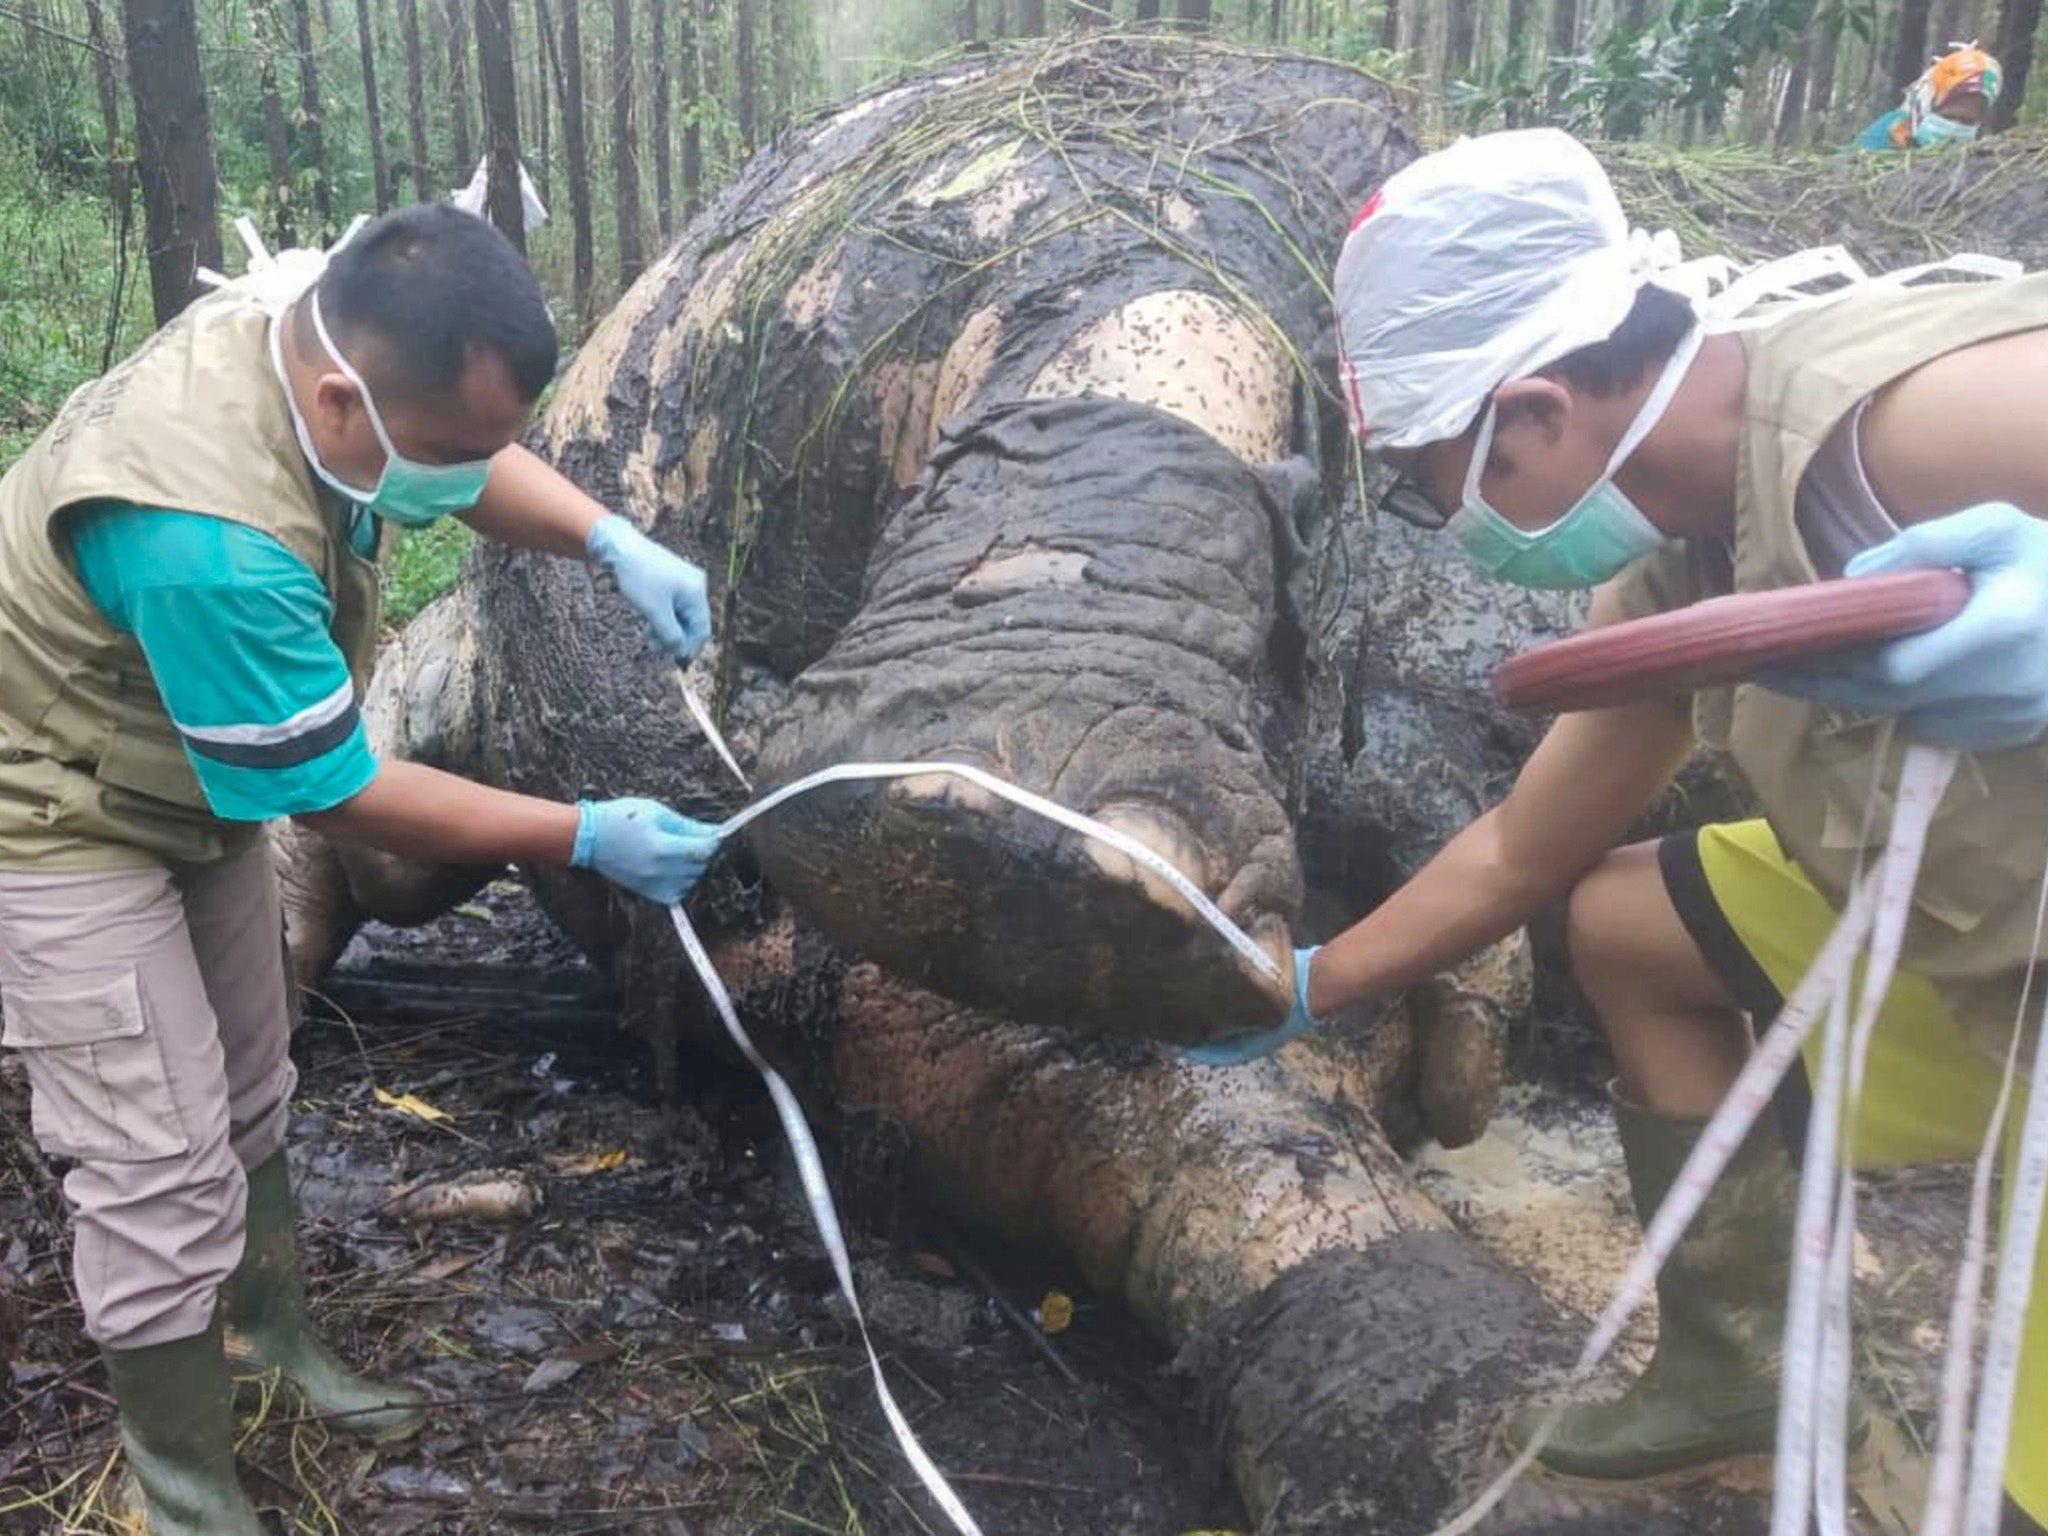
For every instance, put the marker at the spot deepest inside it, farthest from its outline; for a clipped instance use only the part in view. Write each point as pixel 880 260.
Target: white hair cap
pixel 1479 264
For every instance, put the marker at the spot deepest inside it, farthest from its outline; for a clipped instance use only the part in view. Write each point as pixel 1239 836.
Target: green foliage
pixel 423 566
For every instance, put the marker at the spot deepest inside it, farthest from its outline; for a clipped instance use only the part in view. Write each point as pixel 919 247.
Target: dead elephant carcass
pixel 990 403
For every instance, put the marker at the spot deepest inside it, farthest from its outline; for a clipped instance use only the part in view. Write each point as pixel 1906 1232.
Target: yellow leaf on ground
pixel 1056 1312
pixel 418 1108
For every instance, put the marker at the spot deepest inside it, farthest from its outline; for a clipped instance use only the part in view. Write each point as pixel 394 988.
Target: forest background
pixel 133 131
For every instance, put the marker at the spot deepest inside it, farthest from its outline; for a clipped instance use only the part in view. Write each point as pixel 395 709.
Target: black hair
pixel 434 286
pixel 1643 342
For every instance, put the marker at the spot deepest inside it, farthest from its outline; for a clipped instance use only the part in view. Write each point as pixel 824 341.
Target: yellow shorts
pixel 1927 1095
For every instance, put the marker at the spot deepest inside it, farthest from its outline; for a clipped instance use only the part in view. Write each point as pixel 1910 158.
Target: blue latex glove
pixel 1231 1051
pixel 1980 681
pixel 644 846
pixel 663 588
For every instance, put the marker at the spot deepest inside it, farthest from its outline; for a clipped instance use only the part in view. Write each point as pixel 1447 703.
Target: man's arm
pixel 528 502
pixel 437 818
pixel 1590 778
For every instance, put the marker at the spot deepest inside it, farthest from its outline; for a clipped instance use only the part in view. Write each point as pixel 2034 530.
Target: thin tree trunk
pixel 967 17
pixel 277 141
pixel 746 79
pixel 1087 13
pixel 495 73
pixel 1148 10
pixel 658 130
pixel 416 99
pixel 458 91
pixel 1390 23
pixel 1460 37
pixel 373 116
pixel 1197 15
pixel 1820 82
pixel 1792 110
pixel 689 47
pixel 1564 46
pixel 1515 66
pixel 173 148
pixel 568 63
pixel 1948 23
pixel 625 146
pixel 1909 51
pixel 119 162
pixel 999 15
pixel 311 134
pixel 2018 21
pixel 1030 18
pixel 542 47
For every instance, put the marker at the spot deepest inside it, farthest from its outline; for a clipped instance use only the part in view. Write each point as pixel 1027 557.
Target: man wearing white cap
pixel 1549 391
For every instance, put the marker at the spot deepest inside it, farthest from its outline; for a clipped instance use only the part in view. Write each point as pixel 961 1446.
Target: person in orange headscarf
pixel 1946 105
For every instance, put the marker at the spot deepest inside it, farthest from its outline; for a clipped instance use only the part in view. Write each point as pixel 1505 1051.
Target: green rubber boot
pixel 1711 1388
pixel 268 1328
pixel 178 1428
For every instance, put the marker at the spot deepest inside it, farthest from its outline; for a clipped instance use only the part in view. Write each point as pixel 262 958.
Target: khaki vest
pixel 1811 768
pixel 92 773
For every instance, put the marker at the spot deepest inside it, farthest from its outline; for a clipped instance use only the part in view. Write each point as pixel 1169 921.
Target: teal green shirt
pixel 236 632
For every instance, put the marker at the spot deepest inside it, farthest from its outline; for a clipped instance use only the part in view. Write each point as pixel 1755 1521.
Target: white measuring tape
pixel 1811 1471
pixel 803 1145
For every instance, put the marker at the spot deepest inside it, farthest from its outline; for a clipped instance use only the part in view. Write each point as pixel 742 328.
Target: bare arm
pixel 1588 780
pixel 528 502
pixel 425 814
pixel 1962 430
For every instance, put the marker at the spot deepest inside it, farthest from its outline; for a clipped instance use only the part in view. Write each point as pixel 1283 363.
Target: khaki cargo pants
pixel 153 1011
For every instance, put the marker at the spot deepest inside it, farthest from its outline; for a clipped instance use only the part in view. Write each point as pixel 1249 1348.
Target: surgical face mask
pixel 408 492
pixel 1936 129
pixel 1601 532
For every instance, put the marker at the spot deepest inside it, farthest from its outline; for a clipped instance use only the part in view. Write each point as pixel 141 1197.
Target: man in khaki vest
pixel 188 612
pixel 1509 354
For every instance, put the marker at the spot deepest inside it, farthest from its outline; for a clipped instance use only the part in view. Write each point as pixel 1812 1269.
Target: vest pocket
pixel 99 1089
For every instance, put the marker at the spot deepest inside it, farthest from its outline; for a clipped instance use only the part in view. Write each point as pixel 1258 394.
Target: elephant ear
pixel 1298 511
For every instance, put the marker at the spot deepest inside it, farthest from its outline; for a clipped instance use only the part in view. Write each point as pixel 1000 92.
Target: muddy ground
pixel 645 1335
pixel 657 1346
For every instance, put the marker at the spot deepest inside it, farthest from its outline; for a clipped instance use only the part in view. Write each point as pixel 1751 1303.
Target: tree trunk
pixel 1515 67
pixel 967 17
pixel 495 73
pixel 625 146
pixel 2018 21
pixel 1792 110
pixel 1196 15
pixel 746 74
pixel 1564 45
pixel 277 142
pixel 119 162
pixel 458 92
pixel 1148 10
pixel 1909 50
pixel 543 173
pixel 1461 20
pixel 380 168
pixel 311 134
pixel 568 64
pixel 1948 23
pixel 1390 23
pixel 173 148
pixel 1031 18
pixel 689 45
pixel 1088 13
pixel 1820 81
pixel 416 100
pixel 658 130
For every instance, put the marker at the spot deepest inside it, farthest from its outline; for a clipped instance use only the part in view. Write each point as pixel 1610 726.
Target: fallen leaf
pixel 590 1352
pixel 447 1267
pixel 417 1108
pixel 1056 1312
pixel 472 910
pixel 551 1373
pixel 933 1264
